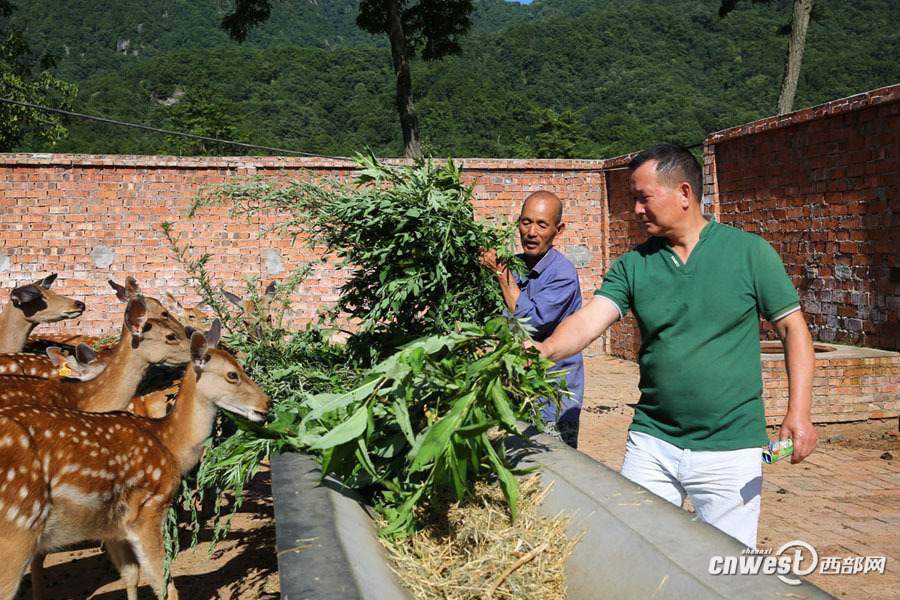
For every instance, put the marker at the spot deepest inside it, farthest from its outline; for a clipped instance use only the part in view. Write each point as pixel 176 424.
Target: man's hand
pixel 508 286
pixel 539 345
pixel 799 427
pixel 489 259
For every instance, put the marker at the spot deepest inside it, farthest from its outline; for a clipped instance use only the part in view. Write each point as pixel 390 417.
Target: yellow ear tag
pixel 64 370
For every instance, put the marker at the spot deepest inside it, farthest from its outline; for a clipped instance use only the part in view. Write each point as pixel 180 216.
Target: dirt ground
pixel 244 565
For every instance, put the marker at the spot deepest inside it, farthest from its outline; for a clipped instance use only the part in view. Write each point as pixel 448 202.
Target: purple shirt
pixel 550 292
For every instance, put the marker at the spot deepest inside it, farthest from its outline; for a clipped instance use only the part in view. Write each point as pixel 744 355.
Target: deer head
pixel 29 306
pixel 190 316
pixel 155 308
pixel 82 366
pixel 251 318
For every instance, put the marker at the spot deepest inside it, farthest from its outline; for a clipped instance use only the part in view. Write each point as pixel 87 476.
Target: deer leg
pixel 147 544
pixel 127 564
pixel 37 576
pixel 16 552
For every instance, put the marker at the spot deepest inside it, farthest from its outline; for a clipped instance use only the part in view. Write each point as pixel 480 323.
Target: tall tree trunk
pixel 409 121
pixel 799 25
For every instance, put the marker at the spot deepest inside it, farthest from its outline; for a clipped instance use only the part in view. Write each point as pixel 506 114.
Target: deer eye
pixel 171 337
pixel 165 314
pixel 232 376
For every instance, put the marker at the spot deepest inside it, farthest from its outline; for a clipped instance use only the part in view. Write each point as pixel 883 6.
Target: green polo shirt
pixel 701 380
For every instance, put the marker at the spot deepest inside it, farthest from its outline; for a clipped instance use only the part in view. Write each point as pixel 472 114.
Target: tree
pixel 556 135
pixel 432 27
pixel 17 82
pixel 203 112
pixel 802 11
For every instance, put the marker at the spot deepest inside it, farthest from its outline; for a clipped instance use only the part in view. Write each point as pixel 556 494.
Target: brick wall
pixel 845 388
pixel 95 218
pixel 823 186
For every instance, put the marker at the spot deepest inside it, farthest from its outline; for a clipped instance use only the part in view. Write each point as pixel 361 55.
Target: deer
pixel 53 363
pixel 37 344
pixel 191 316
pixel 75 476
pixel 101 385
pixel 251 317
pixel 144 342
pixel 29 306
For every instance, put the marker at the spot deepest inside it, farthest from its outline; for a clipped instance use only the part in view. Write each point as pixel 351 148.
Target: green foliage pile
pixel 428 410
pixel 407 235
pixel 419 422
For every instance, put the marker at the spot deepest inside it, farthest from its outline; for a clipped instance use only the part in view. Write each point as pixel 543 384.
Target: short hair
pixel 674 165
pixel 547 196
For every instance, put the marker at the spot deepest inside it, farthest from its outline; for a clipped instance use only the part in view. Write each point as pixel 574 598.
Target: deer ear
pixel 132 287
pixel 234 298
pixel 56 355
pixel 214 333
pixel 136 316
pixel 270 292
pixel 199 349
pixel 24 294
pixel 47 281
pixel 85 353
pixel 120 291
pixel 172 302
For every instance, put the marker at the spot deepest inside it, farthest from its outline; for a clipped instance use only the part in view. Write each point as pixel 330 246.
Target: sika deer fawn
pixel 57 363
pixel 155 309
pixel 144 342
pixel 191 316
pixel 252 317
pixel 75 476
pixel 29 306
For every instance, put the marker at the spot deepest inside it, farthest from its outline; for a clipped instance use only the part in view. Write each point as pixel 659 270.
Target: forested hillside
pixel 570 77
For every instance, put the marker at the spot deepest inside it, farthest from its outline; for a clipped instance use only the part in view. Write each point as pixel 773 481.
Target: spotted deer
pixel 144 342
pixel 39 343
pixel 251 317
pixel 74 476
pixel 82 363
pixel 191 316
pixel 29 306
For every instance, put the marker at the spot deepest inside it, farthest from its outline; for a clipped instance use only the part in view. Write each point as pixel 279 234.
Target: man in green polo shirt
pixel 697 288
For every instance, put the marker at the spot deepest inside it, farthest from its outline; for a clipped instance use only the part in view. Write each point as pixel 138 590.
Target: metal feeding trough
pixel 635 544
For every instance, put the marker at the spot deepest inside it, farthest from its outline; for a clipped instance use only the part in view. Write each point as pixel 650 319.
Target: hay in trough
pixel 471 549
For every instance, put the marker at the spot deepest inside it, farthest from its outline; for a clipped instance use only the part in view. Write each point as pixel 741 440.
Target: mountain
pixel 621 73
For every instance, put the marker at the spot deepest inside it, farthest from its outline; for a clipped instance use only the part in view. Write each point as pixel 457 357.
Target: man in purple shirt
pixel 546 295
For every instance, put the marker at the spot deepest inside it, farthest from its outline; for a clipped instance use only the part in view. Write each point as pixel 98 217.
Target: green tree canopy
pixel 18 82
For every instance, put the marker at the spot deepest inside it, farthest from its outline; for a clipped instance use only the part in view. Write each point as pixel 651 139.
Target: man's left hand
pixel 799 428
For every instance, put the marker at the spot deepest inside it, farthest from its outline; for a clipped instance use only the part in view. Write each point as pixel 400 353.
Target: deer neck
pixel 117 384
pixel 189 424
pixel 14 329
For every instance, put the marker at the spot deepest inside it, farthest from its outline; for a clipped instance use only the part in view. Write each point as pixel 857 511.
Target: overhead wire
pixel 221 141
pixel 169 132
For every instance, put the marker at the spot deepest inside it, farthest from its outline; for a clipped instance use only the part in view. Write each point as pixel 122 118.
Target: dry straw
pixel 470 549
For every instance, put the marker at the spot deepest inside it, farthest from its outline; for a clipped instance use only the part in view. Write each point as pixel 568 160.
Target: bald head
pixel 539 223
pixel 550 200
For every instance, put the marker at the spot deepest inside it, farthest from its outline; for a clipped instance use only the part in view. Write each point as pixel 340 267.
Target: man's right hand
pixel 489 259
pixel 539 345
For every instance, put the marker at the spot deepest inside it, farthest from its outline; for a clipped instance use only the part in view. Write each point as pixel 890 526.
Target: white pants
pixel 724 485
